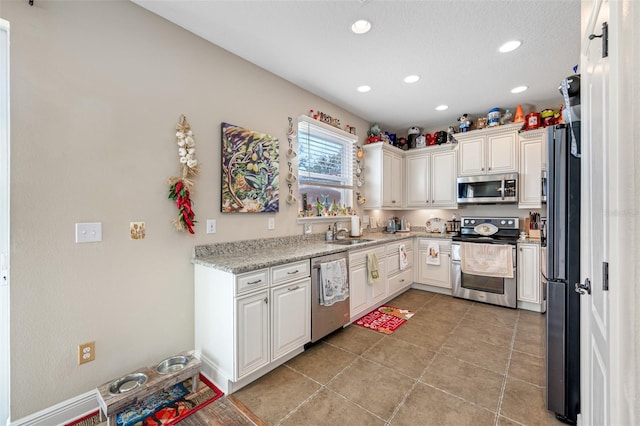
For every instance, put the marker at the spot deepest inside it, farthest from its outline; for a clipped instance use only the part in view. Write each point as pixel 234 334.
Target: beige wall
pixel 97 88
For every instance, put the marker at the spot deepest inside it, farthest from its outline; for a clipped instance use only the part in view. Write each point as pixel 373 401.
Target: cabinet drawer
pixel 445 245
pixel 290 271
pixel 252 281
pixel 393 262
pixel 392 248
pixel 361 255
pixel 400 281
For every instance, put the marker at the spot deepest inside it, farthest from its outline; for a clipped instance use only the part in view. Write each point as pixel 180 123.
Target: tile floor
pixel 455 362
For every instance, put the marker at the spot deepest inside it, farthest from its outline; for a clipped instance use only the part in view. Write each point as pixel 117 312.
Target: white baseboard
pixel 61 413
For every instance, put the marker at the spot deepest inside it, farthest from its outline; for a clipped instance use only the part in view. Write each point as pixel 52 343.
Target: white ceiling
pixel 451 44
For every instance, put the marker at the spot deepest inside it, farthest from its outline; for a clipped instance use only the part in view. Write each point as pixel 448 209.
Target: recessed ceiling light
pixel 361 27
pixel 442 107
pixel 510 46
pixel 411 78
pixel 519 89
pixel 363 89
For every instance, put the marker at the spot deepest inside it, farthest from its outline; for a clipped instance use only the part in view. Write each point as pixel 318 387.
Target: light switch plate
pixel 88 232
pixel 307 228
pixel 211 226
pixel 271 224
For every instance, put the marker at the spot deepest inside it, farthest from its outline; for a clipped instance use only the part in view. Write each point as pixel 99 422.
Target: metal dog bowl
pixel 173 364
pixel 127 383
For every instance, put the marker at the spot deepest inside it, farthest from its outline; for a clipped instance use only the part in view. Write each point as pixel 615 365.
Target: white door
pixel 4 221
pixel 443 179
pixel 417 177
pixel 594 317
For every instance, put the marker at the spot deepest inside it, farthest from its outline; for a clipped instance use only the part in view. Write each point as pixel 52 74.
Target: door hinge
pixel 605 39
pixel 605 276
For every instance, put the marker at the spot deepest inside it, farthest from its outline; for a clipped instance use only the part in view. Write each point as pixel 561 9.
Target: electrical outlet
pixel 211 226
pixel 86 352
pixel 307 228
pixel 88 232
pixel 271 224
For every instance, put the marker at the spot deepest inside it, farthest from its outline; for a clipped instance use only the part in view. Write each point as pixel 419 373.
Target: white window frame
pixel 306 126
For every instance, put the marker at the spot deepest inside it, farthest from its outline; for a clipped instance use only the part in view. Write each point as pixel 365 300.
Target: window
pixel 325 164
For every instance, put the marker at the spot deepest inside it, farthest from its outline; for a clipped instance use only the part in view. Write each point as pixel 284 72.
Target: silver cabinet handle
pixel 294 272
pixel 402 280
pixel 293 288
pixel 266 300
pixel 254 282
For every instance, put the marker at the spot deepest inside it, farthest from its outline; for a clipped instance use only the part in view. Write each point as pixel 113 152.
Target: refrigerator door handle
pixel 583 289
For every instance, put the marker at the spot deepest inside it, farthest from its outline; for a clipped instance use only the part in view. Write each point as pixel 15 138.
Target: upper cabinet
pixel 419 178
pixel 383 176
pixel 489 151
pixel 532 161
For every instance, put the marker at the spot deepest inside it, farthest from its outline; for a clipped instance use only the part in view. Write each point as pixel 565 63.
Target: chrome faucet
pixel 337 230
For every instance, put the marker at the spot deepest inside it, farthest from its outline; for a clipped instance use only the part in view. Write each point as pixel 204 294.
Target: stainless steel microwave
pixel 488 189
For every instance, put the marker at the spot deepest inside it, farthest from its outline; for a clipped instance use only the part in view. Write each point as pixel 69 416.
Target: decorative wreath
pixel 180 187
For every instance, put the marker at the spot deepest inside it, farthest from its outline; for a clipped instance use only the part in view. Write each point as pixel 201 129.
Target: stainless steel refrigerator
pixel 563 271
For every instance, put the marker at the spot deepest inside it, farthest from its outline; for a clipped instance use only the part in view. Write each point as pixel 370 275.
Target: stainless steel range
pixel 484 272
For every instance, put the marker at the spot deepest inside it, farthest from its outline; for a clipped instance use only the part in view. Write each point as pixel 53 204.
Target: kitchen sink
pixel 349 241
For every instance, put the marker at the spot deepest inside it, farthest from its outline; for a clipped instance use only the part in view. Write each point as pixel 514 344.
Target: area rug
pixel 169 406
pixel 385 319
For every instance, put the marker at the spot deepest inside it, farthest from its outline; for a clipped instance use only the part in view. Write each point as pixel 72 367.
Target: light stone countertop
pixel 244 256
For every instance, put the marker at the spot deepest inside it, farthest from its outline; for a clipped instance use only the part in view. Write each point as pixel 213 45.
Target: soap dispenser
pixel 329 234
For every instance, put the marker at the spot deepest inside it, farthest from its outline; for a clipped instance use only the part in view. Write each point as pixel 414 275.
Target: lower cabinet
pixel 363 295
pixel 399 279
pixel 290 317
pixel 434 275
pixel 248 324
pixel 530 292
pixel 253 332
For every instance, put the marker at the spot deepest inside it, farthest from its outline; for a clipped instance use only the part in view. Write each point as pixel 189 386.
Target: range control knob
pixel 502 222
pixel 473 221
pixel 510 222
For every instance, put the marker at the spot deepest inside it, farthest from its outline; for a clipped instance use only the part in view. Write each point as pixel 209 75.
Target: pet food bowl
pixel 127 383
pixel 173 364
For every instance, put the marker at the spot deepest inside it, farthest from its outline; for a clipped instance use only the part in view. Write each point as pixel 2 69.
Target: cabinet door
pixel 472 156
pixel 417 172
pixel 290 317
pixel 530 173
pixel 443 179
pixel 357 288
pixel 435 275
pixel 529 273
pixel 502 153
pixel 252 325
pixel 377 290
pixel 391 180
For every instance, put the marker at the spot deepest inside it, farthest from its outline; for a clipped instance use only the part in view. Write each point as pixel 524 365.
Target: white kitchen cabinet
pixel 392 180
pixel 431 178
pixel 399 279
pixel 363 296
pixel 434 275
pixel 443 179
pixel 418 178
pixel 252 318
pixel 488 151
pixel 290 317
pixel 531 168
pixel 530 294
pixel 247 324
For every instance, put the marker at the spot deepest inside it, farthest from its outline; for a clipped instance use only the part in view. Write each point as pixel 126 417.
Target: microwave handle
pixel 502 189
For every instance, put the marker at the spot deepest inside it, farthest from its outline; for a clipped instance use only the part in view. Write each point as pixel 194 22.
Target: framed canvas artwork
pixel 250 171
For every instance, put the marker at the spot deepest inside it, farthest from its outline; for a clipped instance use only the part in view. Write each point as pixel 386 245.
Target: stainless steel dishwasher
pixel 326 319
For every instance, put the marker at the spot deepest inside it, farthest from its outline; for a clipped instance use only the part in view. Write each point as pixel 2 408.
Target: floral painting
pixel 250 171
